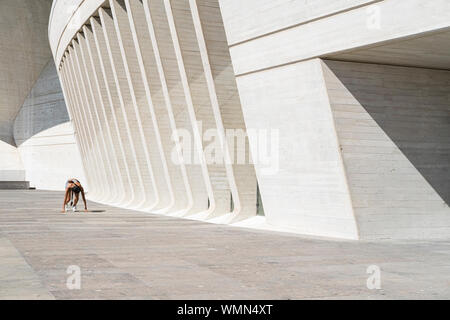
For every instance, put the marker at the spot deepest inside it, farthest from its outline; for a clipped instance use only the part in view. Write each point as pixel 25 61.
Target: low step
pixel 14 185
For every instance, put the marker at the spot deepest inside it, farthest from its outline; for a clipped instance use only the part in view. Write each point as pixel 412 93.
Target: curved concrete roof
pixel 66 18
pixel 24 52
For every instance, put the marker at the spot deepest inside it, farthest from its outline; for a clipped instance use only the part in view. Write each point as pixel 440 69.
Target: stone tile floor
pixel 131 255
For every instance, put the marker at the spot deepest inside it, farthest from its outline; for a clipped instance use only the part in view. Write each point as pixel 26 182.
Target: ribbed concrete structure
pixel 354 95
pixel 134 74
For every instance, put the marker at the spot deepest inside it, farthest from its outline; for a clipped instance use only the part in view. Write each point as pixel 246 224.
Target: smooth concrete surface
pixel 393 127
pixel 51 157
pixel 42 129
pixel 36 138
pixel 174 94
pixel 11 165
pixel 356 27
pixel 429 50
pixel 66 18
pixel 23 55
pixel 244 22
pixel 43 108
pixel 129 255
pixel 309 178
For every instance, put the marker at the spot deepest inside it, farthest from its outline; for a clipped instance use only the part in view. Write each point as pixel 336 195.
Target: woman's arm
pixel 84 199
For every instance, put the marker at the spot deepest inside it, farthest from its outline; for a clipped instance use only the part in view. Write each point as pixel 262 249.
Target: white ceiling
pixel 431 50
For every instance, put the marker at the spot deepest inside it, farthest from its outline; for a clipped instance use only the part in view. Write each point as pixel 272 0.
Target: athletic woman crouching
pixel 72 195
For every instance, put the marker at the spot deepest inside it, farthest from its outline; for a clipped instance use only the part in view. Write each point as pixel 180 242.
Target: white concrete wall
pixel 174 95
pixel 393 125
pixel 328 32
pixel 24 52
pixel 45 137
pixel 308 191
pixel 51 157
pixel 36 139
pixel 43 108
pixel 272 43
pixel 11 165
pixel 251 19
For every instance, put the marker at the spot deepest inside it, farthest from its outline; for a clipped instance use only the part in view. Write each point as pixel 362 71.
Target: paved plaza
pixel 124 254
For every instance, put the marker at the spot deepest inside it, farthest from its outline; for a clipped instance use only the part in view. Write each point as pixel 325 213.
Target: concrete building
pixel 37 145
pixel 352 95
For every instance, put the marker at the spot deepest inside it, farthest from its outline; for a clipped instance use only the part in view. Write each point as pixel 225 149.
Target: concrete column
pixel 70 101
pixel 141 176
pixel 199 105
pixel 174 94
pixel 305 186
pixel 225 104
pixel 116 121
pixel 95 108
pixel 87 107
pixel 91 162
pixel 394 135
pixel 155 95
pixel 87 136
pixel 71 110
pixel 105 110
pixel 143 106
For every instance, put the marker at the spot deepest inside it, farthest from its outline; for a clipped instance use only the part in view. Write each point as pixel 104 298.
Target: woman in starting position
pixel 72 195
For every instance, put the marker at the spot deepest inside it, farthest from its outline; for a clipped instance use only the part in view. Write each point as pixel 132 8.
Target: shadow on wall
pixel 411 106
pixel 7 132
pixel 44 107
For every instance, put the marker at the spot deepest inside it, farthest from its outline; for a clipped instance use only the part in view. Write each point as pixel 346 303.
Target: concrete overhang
pixel 66 19
pixel 388 22
pixel 428 50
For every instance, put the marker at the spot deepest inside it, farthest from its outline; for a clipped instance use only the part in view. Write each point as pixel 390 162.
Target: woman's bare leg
pixel 76 198
pixel 66 200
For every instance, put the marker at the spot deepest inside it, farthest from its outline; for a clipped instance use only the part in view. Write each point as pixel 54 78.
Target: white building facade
pixel 37 145
pixel 332 116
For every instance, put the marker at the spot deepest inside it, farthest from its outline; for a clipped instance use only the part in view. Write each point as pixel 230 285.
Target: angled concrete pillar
pixel 71 101
pixel 141 175
pixel 71 110
pixel 88 136
pixel 310 178
pixel 116 158
pixel 95 109
pixel 198 103
pixel 91 160
pixel 139 98
pixel 174 95
pixel 87 108
pixel 224 97
pixel 158 100
pixel 115 119
pixel 393 131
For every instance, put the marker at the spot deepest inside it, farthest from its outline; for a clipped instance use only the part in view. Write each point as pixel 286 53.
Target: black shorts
pixel 76 189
